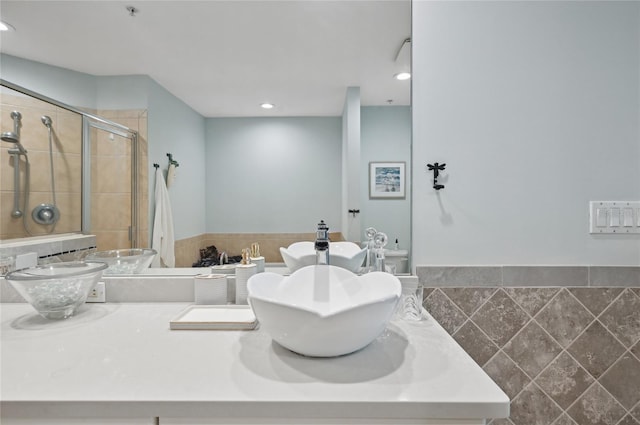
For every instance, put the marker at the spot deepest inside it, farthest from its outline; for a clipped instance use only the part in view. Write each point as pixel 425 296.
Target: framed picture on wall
pixel 386 180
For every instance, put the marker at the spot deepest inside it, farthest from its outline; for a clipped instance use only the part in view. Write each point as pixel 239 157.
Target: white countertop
pixel 123 360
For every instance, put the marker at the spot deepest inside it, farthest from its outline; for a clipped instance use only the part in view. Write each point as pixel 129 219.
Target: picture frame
pixel 387 180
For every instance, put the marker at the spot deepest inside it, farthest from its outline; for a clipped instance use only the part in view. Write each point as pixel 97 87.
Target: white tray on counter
pixel 215 317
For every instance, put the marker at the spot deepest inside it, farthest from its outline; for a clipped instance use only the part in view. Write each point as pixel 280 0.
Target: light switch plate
pixel 612 217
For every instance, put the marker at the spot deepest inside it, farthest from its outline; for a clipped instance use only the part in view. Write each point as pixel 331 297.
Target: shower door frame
pixel 89 121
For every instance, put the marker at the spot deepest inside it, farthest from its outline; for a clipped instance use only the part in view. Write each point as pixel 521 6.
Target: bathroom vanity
pixel 119 363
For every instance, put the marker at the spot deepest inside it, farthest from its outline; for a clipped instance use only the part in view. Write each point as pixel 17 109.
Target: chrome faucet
pixel 322 244
pixel 223 258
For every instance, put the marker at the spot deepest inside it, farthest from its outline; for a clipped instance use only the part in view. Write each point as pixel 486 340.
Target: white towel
pixel 163 226
pixel 171 175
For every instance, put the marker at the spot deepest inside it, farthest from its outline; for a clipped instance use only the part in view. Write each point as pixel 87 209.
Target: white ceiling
pixel 224 58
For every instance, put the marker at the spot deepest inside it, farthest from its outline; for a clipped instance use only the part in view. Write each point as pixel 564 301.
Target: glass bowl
pixel 56 290
pixel 124 261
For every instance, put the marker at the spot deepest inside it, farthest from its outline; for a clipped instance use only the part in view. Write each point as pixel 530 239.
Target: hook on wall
pixel 436 168
pixel 171 160
pixel 156 166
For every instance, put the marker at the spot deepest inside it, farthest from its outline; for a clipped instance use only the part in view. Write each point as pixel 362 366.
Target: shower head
pixel 13 136
pixel 46 120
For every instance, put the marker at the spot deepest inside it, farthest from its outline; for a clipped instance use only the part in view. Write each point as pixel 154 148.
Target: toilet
pixel 398 258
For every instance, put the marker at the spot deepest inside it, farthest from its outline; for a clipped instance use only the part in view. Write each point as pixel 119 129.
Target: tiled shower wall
pixel 67 160
pixel 562 342
pixel 111 182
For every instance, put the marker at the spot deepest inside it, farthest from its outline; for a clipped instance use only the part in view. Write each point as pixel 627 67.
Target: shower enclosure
pixel 65 170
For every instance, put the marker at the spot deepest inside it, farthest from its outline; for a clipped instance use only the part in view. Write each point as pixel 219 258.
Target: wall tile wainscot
pixel 562 342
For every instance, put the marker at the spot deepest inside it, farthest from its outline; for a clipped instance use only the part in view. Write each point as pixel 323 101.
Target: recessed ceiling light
pixel 402 76
pixel 267 105
pixel 6 27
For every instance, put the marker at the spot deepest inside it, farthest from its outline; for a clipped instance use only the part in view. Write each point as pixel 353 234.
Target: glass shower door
pixel 110 184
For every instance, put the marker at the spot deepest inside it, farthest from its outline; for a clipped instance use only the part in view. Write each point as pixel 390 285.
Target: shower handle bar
pixel 16 213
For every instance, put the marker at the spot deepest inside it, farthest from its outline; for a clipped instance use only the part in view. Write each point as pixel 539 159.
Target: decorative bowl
pixel 347 255
pixel 324 311
pixel 56 290
pixel 124 261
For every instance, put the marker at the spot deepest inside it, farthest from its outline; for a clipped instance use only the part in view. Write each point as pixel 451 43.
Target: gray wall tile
pixel 614 276
pixel 459 276
pixel 594 379
pixel 545 276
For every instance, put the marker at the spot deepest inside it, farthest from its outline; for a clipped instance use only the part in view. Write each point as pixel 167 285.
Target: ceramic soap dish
pixel 215 317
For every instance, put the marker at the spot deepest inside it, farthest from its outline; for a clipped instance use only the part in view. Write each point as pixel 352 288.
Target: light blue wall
pixel 386 137
pixel 72 88
pixel 535 109
pixel 272 174
pixel 123 92
pixel 177 129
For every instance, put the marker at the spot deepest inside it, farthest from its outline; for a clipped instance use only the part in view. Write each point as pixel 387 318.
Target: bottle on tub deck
pixel 244 271
pixel 380 241
pixel 256 258
pixel 370 265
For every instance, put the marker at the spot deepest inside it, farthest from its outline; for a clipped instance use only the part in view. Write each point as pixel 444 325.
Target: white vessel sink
pixel 347 255
pixel 324 311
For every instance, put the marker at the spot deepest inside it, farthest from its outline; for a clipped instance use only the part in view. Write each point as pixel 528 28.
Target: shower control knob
pixel 45 214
